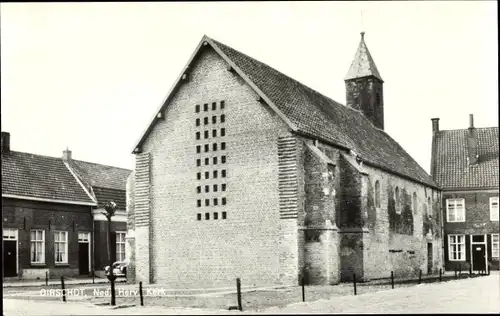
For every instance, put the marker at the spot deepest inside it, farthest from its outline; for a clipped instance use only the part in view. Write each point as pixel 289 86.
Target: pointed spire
pixel 363 64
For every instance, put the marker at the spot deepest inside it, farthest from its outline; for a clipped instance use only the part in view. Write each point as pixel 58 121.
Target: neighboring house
pixel 245 172
pixel 465 165
pixel 51 214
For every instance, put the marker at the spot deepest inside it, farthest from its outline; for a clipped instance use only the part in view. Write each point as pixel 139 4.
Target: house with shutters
pixel 465 165
pixel 51 214
pixel 244 172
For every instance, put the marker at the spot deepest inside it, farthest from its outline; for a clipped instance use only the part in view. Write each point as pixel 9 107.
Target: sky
pixel 90 76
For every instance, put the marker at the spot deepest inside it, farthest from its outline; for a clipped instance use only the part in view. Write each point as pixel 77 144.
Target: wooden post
pixel 440 274
pixel 455 273
pixel 302 281
pixel 420 276
pixel 238 290
pixel 392 279
pixel 470 271
pixel 140 294
pixel 93 276
pixel 46 277
pixel 63 289
pixel 354 282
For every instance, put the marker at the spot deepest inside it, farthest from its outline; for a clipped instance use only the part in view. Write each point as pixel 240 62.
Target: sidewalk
pixel 35 283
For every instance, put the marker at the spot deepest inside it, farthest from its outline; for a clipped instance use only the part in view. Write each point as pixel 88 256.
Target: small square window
pixel 198 149
pixel 215 174
pixel 205 120
pixel 198 216
pixel 224 215
pixel 197 108
pixel 197 122
pixel 197 135
pixel 198 162
pixel 199 203
pixel 222 118
pixel 222 105
pixel 206 134
pixel 216 215
pixel 207 174
pixel 223 187
pixel 198 175
pixel 214 133
pixel 207 188
pixel 214 147
pixel 214 106
pixel 222 132
pixel 207 202
pixel 223 159
pixel 215 188
pixel 207 216
pixel 223 201
pixel 223 146
pixel 214 119
pixel 205 107
pixel 207 148
pixel 223 173
pixel 198 189
pixel 215 160
pixel 216 202
pixel 207 161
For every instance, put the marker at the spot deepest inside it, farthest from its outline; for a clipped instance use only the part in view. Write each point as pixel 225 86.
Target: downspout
pixel 93 244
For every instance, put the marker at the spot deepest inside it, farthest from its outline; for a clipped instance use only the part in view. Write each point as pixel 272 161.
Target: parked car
pixel 119 269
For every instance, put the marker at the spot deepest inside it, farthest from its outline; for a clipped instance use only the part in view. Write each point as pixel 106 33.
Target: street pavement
pixel 476 295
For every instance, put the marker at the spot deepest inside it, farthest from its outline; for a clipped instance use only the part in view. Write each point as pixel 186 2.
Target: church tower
pixel 364 86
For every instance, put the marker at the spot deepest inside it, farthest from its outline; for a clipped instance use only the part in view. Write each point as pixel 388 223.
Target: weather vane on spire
pixel 362 24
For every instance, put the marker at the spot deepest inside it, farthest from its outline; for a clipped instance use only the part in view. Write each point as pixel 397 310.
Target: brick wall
pixel 185 251
pixel 477 222
pixel 26 215
pixel 361 94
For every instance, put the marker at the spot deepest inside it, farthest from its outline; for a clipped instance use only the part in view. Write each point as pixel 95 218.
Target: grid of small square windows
pixel 205 149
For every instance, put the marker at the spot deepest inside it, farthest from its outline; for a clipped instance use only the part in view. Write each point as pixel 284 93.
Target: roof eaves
pixel 32 198
pixel 79 181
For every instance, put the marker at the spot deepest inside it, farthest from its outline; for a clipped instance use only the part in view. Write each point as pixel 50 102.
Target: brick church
pixel 245 172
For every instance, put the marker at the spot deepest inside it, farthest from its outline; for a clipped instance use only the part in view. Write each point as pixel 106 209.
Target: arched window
pixel 377 194
pixel 415 207
pixel 429 206
pixel 396 200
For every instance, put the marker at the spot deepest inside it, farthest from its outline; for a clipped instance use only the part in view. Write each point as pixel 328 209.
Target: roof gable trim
pixel 182 77
pixel 79 182
pixel 31 198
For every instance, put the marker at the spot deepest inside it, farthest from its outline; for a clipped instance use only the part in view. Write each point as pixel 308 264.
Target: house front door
pixel 10 258
pixel 479 257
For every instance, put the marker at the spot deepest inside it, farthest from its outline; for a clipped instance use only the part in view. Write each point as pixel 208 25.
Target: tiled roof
pixel 363 64
pixel 108 183
pixel 319 116
pixel 451 169
pixel 36 176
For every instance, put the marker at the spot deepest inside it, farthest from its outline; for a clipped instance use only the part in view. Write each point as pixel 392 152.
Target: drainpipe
pixel 93 243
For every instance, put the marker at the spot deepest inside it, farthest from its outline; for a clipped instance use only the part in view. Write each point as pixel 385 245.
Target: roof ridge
pixel 100 164
pixel 465 129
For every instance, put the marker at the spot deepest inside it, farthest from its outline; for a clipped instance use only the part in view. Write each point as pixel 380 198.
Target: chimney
pixel 67 155
pixel 5 142
pixel 472 142
pixel 435 125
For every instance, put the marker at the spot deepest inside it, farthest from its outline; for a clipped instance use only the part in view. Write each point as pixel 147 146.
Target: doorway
pixel 10 247
pixel 479 257
pixel 84 253
pixel 429 258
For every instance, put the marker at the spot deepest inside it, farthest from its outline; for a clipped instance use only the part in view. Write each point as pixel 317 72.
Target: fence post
pixel 440 274
pixel 302 281
pixel 238 290
pixel 46 277
pixel 140 294
pixel 93 276
pixel 63 289
pixel 470 271
pixel 392 279
pixel 455 273
pixel 354 281
pixel 420 276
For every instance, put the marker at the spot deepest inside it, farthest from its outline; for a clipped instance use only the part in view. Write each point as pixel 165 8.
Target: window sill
pixel 457 260
pixel 37 264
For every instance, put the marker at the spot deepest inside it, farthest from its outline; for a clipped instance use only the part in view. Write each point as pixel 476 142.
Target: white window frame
pixel 455 202
pixel 494 211
pixel 461 250
pixel 37 243
pixel 495 253
pixel 118 243
pixel 65 246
